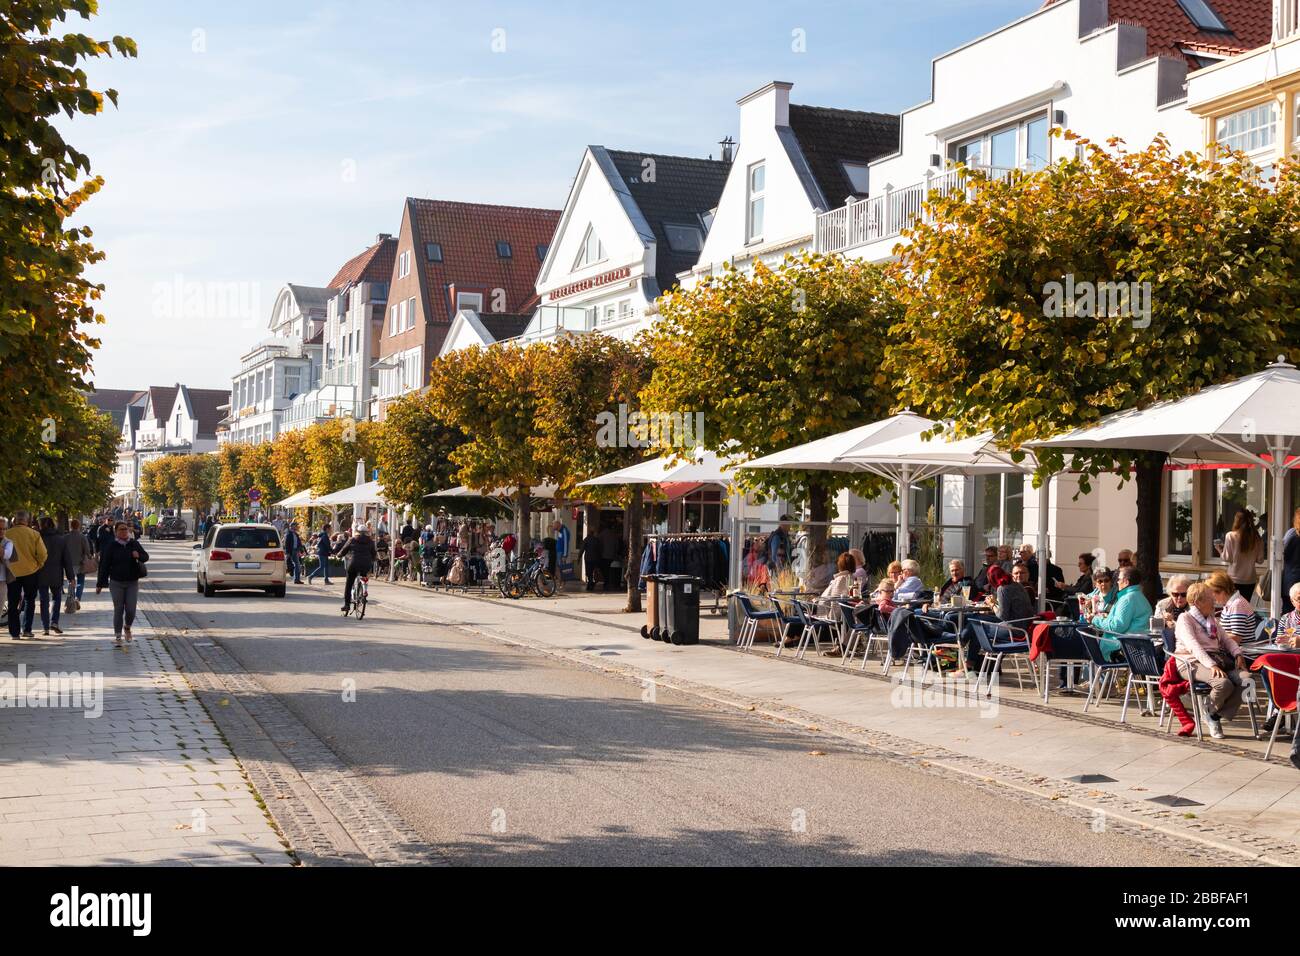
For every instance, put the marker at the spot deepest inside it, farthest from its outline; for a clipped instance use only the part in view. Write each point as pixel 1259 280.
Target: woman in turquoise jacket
pixel 1130 615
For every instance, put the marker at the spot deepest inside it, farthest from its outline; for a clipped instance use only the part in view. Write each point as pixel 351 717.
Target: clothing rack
pixel 717 588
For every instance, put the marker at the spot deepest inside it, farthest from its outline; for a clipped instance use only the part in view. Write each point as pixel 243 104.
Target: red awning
pixel 672 490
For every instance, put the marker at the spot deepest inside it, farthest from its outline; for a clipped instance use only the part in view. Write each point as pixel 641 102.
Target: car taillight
pixel 275 556
pixel 219 556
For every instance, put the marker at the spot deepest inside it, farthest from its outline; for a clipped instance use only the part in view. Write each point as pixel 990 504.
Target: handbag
pixel 89 564
pixel 141 570
pixel 70 602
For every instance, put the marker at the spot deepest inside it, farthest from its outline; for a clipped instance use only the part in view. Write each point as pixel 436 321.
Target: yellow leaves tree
pixel 159 483
pixel 332 449
pixel 414 451
pixel 998 331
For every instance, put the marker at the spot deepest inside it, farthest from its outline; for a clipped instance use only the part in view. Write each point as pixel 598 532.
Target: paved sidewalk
pixel 1227 794
pixel 148 780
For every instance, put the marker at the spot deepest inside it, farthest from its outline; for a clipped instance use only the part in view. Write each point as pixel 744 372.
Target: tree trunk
pixel 818 514
pixel 635 521
pixel 522 499
pixel 1150 482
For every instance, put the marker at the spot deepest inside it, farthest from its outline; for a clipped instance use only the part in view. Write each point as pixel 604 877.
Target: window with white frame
pixel 404 264
pixel 469 300
pixel 392 321
pixel 591 251
pixel 625 309
pixel 1020 145
pixel 1252 131
pixel 410 312
pixel 757 188
pixel 404 375
pixel 292 381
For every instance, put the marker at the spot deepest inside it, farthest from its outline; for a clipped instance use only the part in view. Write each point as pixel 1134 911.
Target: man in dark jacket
pixel 49 579
pixel 323 551
pixel 359 556
pixel 408 532
pixel 121 563
pixel 103 536
pixel 293 551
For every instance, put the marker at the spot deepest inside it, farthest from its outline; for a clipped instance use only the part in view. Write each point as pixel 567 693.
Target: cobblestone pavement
pixel 149 780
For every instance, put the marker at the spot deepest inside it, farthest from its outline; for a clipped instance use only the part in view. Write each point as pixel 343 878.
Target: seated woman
pixel 1291 619
pixel 1206 652
pixel 1130 616
pixel 860 572
pixel 841 586
pixel 1174 604
pixel 957 579
pixel 1238 617
pixel 883 597
pixel 1103 594
pixel 1010 599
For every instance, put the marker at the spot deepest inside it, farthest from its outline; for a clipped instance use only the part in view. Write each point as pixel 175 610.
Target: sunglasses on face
pixel 1178 594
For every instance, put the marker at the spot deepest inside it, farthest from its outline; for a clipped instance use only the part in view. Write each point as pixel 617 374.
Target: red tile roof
pixel 1170 31
pixel 468 234
pixel 373 265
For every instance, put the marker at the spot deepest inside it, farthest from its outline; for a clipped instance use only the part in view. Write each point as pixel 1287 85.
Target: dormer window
pixel 859 177
pixel 1203 15
pixel 683 238
pixel 503 250
pixel 433 251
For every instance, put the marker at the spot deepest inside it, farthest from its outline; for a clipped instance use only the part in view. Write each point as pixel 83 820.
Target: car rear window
pixel 247 538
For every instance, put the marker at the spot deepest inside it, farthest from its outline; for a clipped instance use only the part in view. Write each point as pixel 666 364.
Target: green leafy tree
pixel 774 358
pixel 46 302
pixel 160 485
pixel 198 478
pixel 490 394
pixel 588 377
pixel 71 470
pixel 413 452
pixel 992 339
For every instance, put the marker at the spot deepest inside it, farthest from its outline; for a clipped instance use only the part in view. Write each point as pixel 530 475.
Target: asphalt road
pixel 504 756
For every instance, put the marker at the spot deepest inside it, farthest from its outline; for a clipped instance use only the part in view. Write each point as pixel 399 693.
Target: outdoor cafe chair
pixel 998 641
pixel 752 616
pixel 1067 651
pixel 1281 673
pixel 852 631
pixel 1146 665
pixel 1101 672
pixel 787 623
pixel 815 627
pixel 927 633
pixel 877 633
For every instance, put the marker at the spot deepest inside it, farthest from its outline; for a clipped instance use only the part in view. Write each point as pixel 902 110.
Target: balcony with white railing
pixel 346 372
pixel 885 216
pixel 1286 19
pixel 302 414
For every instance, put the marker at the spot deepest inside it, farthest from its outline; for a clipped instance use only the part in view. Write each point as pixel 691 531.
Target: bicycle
pixel 532 576
pixel 360 595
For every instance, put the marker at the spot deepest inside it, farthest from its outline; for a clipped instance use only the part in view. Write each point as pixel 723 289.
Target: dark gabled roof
pixel 113 399
pixel 136 414
pixel 373 265
pixel 162 399
pixel 501 326
pixel 311 299
pixel 682 190
pixel 1170 32
pixel 206 403
pixel 469 233
pixel 830 137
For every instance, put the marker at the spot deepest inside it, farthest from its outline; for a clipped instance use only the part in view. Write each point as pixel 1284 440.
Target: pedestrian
pixel 609 553
pixel 56 569
pixel 294 551
pixel 1243 550
pixel 103 535
pixel 591 557
pixel 28 559
pixel 82 558
pixel 323 551
pixel 359 556
pixel 121 566
pixel 6 555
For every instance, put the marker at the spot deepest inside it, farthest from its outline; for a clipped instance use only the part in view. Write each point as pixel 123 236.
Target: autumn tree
pixel 587 377
pixel 234 479
pixel 778 357
pixel 332 450
pixel 490 395
pixel 70 470
pixel 1002 329
pixel 414 451
pixel 159 482
pixel 197 479
pixel 46 301
pixel 290 465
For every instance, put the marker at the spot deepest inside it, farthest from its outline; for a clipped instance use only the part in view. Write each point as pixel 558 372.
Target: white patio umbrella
pixel 300 499
pixel 366 493
pixel 704 467
pixel 1253 420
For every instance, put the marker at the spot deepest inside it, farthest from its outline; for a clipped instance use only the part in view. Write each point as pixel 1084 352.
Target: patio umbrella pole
pixel 1044 502
pixel 904 501
pixel 1279 470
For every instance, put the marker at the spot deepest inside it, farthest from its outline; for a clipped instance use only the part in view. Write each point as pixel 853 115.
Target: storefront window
pixel 989 500
pixel 1178 513
pixel 1235 489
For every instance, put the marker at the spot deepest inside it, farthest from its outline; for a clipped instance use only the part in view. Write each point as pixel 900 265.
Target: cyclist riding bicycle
pixel 358 559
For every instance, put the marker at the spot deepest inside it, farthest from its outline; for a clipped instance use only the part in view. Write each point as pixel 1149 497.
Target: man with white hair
pixel 910 585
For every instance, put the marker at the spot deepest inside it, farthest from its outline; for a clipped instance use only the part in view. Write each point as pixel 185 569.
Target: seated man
pixel 957 579
pixel 1130 616
pixel 980 587
pixel 910 584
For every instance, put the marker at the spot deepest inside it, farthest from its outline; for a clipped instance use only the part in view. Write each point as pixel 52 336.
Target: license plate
pixel 247 565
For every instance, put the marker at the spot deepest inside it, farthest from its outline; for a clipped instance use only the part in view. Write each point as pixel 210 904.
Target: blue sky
pixel 260 143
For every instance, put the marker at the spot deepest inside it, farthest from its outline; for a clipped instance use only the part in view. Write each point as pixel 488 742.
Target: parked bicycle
pixel 533 576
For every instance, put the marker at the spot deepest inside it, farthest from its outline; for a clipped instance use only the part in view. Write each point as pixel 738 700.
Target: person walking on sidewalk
pixel 6 555
pixel 28 559
pixel 293 551
pixel 323 551
pixel 57 568
pixel 359 554
pixel 82 558
pixel 103 536
pixel 121 566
